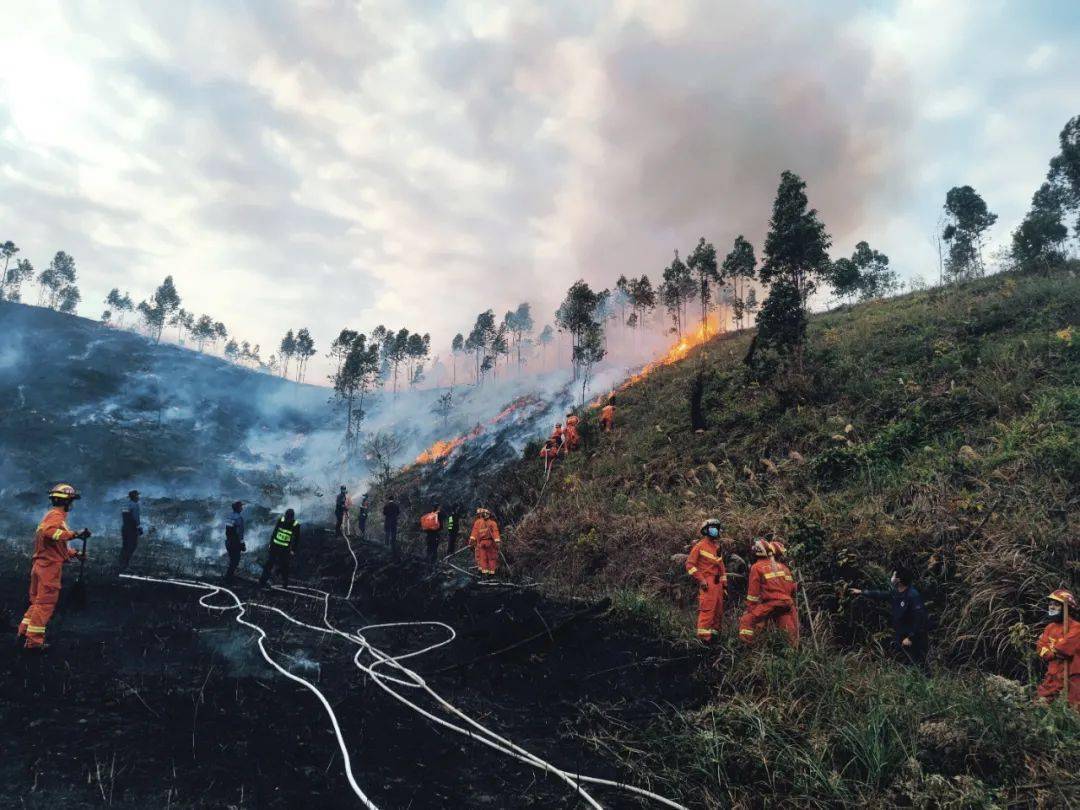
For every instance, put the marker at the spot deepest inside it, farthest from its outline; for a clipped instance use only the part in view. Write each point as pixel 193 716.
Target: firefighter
pixel 770 594
pixel 453 529
pixel 1059 646
pixel 361 516
pixel 234 539
pixel 283 542
pixel 51 551
pixel 573 438
pixel 558 436
pixel 549 452
pixel 431 524
pixel 130 528
pixel 341 506
pixel 484 539
pixel 706 566
pixel 607 416
pixel 908 617
pixel 390 512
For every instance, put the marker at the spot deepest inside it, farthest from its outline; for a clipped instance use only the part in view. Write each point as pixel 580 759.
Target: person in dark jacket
pixel 361 516
pixel 130 528
pixel 453 526
pixel 234 539
pixel 340 505
pixel 390 512
pixel 283 541
pixel 909 621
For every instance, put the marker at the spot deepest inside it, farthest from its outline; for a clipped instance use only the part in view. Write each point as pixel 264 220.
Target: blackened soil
pixel 147 699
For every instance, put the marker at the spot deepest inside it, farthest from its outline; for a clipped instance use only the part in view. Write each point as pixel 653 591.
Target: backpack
pixel 430 522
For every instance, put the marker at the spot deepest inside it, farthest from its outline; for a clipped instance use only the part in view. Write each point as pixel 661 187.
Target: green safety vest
pixel 450 523
pixel 283 534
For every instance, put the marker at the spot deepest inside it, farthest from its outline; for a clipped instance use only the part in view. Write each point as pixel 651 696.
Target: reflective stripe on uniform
pixel 753 599
pixel 746 632
pixel 33 628
pixel 705 632
pixel 709 556
pixel 775 574
pixel 58 534
pixel 692 569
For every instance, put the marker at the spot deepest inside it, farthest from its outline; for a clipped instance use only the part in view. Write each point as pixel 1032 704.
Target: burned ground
pixel 147 697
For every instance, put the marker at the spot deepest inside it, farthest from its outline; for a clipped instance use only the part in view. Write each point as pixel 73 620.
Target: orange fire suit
pixel 770 599
pixel 558 435
pixel 607 418
pixel 484 538
pixel 706 566
pixel 573 438
pixel 549 454
pixel 1056 648
pixel 51 551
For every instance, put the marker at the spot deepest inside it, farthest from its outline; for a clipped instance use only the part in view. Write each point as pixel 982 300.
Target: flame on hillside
pixel 444 447
pixel 677 352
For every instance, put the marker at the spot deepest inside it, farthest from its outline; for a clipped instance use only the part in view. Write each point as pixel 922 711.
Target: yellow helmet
pixel 1063 596
pixel 64 492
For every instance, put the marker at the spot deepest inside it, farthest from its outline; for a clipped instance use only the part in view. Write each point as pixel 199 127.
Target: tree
pixel 457 346
pixel 797 245
pixel 499 345
pixel 382 449
pixel 119 304
pixel 232 351
pixel 967 219
pixel 781 326
pixel 587 353
pixel 357 374
pixel 1038 242
pixel 1065 169
pixel 479 340
pixel 305 350
pixel 702 263
pixel 395 351
pixel 183 321
pixel 219 333
pixel 164 303
pixel 417 351
pixel 545 338
pixel 340 347
pixel 55 278
pixel 642 299
pixel 739 267
pixel 203 331
pixel 443 406
pixel 876 280
pixel 579 315
pixel 7 250
pixel 69 299
pixel 676 291
pixel 520 324
pixel 14 278
pixel 287 350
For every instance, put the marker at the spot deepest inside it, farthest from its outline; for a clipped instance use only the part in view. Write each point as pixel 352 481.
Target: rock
pixel 942 746
pixel 712 468
pixel 967 453
pixel 839 437
pixel 796 456
pixel 848 427
pixel 768 465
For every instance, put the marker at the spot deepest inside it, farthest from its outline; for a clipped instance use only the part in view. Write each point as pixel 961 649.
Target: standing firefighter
pixel 453 529
pixel 607 416
pixel 1059 646
pixel 341 507
pixel 51 551
pixel 130 528
pixel 908 617
pixel 549 452
pixel 770 595
pixel 706 566
pixel 484 539
pixel 361 516
pixel 431 524
pixel 234 539
pixel 573 437
pixel 282 548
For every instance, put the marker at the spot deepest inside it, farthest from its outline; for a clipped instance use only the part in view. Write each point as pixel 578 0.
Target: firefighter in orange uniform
pixel 484 538
pixel 607 416
pixel 1060 648
pixel 549 452
pixel 51 551
pixel 706 566
pixel 573 438
pixel 558 435
pixel 770 595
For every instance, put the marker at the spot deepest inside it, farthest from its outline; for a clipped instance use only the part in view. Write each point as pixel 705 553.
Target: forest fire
pixel 673 355
pixel 444 447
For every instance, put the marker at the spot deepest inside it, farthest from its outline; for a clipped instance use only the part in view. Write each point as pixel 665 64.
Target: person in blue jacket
pixel 908 615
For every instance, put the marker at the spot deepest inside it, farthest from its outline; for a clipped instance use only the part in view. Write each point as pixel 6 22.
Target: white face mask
pixel 893 580
pixel 1054 611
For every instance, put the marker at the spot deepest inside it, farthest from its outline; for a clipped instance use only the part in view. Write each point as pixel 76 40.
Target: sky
pixel 324 163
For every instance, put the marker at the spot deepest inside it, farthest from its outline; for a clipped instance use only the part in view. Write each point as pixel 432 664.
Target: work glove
pixel 704 584
pixel 140 531
pixel 84 534
pixel 243 546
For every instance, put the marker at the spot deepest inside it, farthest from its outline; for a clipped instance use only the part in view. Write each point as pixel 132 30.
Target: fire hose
pixel 409 679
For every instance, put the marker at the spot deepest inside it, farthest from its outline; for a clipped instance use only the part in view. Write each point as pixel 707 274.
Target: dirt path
pixel 148 697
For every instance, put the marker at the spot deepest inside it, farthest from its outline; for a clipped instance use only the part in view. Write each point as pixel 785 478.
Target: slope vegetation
pixel 940 429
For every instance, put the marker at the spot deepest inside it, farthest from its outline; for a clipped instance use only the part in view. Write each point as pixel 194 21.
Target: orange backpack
pixel 430 522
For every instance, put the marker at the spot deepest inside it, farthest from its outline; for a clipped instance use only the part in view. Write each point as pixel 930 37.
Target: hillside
pixel 940 429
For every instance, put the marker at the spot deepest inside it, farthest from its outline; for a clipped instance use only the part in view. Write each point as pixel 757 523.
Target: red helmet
pixel 64 492
pixel 778 548
pixel 762 548
pixel 1063 596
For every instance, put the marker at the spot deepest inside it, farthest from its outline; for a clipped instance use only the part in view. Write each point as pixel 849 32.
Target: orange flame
pixel 444 447
pixel 673 355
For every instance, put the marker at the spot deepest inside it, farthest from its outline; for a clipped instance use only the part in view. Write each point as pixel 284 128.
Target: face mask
pixel 1054 612
pixel 893 580
pixel 712 531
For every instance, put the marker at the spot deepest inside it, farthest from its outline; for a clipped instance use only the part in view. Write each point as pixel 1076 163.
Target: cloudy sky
pixel 411 162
